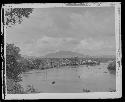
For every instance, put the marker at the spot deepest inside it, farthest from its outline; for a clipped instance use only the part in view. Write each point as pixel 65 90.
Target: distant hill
pixel 63 54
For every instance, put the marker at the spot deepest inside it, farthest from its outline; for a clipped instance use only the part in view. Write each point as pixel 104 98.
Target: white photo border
pixel 91 95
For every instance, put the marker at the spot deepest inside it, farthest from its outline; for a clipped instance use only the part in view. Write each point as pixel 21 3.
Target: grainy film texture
pixel 60 50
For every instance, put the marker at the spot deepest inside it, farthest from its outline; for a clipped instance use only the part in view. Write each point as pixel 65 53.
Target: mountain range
pixel 63 54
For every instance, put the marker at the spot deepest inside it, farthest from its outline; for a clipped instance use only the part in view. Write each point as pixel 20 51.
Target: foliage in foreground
pixel 16 15
pixel 13 87
pixel 13 68
pixel 16 88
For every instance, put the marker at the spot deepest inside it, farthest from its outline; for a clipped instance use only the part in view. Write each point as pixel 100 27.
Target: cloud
pixel 83 30
pixel 89 44
pixel 48 44
pixel 48 41
pixel 65 22
pixel 95 47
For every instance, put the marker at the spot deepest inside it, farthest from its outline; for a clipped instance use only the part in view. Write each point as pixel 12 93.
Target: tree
pixel 36 63
pixel 15 15
pixel 12 56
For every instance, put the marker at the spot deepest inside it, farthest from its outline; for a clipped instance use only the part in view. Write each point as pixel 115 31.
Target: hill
pixel 63 54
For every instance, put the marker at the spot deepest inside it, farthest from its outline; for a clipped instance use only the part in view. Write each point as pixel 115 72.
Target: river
pixel 70 80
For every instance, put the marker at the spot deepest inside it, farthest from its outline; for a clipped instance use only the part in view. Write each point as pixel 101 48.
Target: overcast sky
pixel 86 30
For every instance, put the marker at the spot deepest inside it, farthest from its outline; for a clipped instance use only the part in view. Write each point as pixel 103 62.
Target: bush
pixel 112 67
pixel 14 87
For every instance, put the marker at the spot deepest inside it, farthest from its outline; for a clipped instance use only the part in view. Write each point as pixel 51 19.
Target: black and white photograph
pixel 62 50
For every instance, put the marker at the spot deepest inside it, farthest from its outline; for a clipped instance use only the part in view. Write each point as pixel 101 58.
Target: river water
pixel 70 80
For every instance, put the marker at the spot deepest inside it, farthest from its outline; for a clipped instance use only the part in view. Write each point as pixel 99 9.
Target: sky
pixel 86 30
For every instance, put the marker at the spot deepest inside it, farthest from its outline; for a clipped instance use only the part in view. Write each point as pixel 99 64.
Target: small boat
pixel 53 82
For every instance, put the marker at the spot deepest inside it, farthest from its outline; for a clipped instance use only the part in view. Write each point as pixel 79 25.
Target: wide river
pixel 70 80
